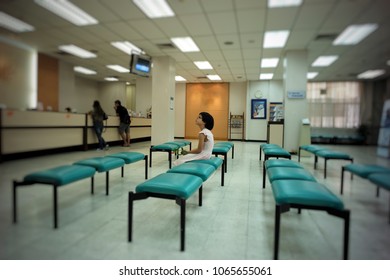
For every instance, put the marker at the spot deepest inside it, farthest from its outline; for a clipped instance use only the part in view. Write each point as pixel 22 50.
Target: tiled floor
pixel 235 221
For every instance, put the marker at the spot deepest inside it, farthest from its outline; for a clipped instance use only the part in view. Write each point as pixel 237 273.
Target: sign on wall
pixel 297 94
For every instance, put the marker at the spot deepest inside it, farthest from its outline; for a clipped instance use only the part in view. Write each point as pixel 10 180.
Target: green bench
pixel 361 170
pixel 268 146
pixel 216 162
pixel 330 155
pixel 57 177
pixel 309 195
pixel 381 180
pixel 169 148
pixel 131 157
pixel 271 163
pixel 308 148
pixel 222 150
pixel 102 164
pixel 174 186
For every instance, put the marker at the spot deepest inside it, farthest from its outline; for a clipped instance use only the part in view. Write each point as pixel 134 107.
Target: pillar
pixel 163 94
pixel 295 101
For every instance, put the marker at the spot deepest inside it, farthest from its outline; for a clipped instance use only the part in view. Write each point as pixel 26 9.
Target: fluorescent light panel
pixel 266 76
pixel 323 61
pixel 126 47
pixel 202 65
pixel 118 68
pixel 311 75
pixel 269 62
pixel 275 39
pixel 84 70
pixel 185 44
pixel 75 50
pixel 68 11
pixel 353 34
pixel 14 24
pixel 214 77
pixel 111 79
pixel 179 79
pixel 283 3
pixel 370 74
pixel 154 8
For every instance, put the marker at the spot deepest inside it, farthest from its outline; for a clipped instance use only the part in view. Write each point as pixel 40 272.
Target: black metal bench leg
pixel 346 235
pixel 342 180
pixel 299 154
pixel 122 171
pixel 233 152
pixel 107 180
pixel 264 175
pixel 315 161
pixel 277 231
pixel 170 159
pixel 150 157
pixel 200 195
pixel 223 174
pixel 130 217
pixel 14 201
pixel 325 161
pixel 55 202
pixel 146 166
pixel 182 223
pixel 92 185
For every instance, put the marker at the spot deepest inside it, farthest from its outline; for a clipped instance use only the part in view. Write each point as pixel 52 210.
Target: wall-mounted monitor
pixel 140 65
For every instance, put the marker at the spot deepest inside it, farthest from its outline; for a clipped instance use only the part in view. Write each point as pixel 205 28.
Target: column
pixel 295 102
pixel 163 94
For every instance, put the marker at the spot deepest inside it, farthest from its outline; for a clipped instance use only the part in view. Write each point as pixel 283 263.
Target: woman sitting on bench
pixel 205 121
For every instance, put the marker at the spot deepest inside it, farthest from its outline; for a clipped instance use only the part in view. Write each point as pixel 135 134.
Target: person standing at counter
pixel 98 115
pixel 124 123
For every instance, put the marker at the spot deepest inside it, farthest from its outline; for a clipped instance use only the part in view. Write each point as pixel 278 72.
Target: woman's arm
pixel 200 147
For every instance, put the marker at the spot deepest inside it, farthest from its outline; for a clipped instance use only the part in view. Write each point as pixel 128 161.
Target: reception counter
pixel 24 133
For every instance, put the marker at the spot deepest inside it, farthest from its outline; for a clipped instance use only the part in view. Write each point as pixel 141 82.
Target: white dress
pixel 204 154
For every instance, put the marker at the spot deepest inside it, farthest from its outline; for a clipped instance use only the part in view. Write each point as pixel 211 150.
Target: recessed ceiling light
pixel 75 50
pixel 179 79
pixel 214 77
pixel 311 75
pixel 111 79
pixel 126 47
pixel 283 3
pixel 14 24
pixel 275 39
pixel 203 65
pixel 353 34
pixel 266 76
pixel 370 74
pixel 269 62
pixel 84 70
pixel 68 11
pixel 323 61
pixel 118 68
pixel 185 44
pixel 155 8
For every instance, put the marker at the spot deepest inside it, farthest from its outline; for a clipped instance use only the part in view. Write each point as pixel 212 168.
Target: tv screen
pixel 140 65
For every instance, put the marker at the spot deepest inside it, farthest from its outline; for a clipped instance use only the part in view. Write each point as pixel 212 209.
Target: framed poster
pixel 259 109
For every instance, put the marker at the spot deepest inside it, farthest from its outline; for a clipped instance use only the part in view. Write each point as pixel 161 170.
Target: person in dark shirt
pixel 97 115
pixel 124 123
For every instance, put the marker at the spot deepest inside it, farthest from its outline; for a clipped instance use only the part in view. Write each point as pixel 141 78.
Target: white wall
pixel 18 75
pixel 180 109
pixel 237 98
pixel 143 92
pixel 272 91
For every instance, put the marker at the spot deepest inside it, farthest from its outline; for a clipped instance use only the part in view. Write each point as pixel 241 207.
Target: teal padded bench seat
pixel 222 150
pixel 202 170
pixel 381 180
pixel 307 195
pixel 362 170
pixel 278 163
pixel 168 147
pixel 186 142
pixel 308 148
pixel 228 144
pixel 276 153
pixel 131 157
pixel 330 154
pixel 289 173
pixel 57 177
pixel 102 164
pixel 216 162
pixel 175 186
pixel 268 146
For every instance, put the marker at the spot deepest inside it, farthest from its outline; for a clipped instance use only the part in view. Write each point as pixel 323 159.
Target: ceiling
pixel 229 34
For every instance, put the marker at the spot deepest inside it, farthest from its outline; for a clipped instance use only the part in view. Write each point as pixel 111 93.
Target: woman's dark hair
pixel 208 120
pixel 97 107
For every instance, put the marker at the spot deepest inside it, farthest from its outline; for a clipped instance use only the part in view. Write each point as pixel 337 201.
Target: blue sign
pixel 296 94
